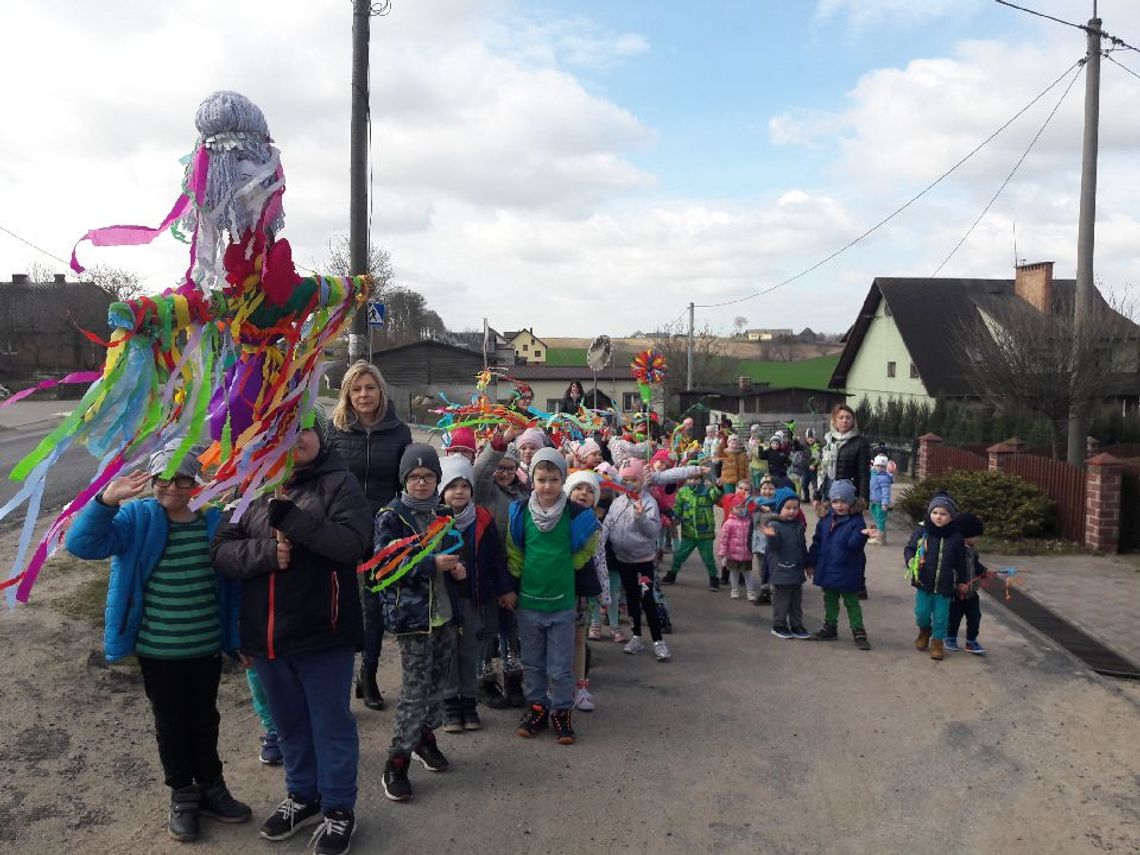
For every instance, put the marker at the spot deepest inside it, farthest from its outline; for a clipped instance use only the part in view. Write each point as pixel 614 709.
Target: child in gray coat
pixel 787 556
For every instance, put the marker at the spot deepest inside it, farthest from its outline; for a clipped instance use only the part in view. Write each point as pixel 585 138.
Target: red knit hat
pixel 462 439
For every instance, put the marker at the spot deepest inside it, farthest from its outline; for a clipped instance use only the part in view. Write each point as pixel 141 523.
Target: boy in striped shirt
pixel 186 615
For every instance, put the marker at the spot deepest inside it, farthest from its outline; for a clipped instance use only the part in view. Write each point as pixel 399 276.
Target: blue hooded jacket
pixel 837 553
pixel 133 536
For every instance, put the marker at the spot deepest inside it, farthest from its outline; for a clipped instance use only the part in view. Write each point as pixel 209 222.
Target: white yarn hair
pixel 242 177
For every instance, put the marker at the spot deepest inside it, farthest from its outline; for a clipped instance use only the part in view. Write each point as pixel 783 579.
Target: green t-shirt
pixel 547 583
pixel 180 601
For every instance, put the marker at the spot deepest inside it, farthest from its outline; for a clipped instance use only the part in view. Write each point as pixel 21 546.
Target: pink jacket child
pixel 734 543
pixel 734 540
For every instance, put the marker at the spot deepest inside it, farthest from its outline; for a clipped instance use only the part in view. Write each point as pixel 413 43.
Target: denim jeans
pixel 932 611
pixel 308 699
pixel 547 641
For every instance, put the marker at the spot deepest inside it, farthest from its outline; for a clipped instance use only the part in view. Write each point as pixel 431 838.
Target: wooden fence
pixel 1063 483
pixel 944 458
pixel 1123 450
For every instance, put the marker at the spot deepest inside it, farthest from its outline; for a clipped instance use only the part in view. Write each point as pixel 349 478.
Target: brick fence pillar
pixel 997 455
pixel 925 442
pixel 1102 503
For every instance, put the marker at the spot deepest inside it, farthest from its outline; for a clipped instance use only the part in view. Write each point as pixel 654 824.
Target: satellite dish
pixel 598 353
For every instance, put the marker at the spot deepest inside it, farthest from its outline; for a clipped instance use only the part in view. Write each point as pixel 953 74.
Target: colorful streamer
pixel 390 564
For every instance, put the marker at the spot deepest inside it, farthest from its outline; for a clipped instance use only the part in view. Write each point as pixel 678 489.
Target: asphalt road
pixel 70 475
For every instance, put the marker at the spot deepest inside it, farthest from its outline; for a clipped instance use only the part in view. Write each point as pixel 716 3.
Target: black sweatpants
pixel 183 695
pixel 637 600
pixel 970 609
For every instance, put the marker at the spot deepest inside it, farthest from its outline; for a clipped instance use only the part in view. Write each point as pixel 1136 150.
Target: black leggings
pixel 636 600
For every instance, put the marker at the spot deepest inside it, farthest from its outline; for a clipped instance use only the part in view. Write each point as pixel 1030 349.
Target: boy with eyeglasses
pixel 167 605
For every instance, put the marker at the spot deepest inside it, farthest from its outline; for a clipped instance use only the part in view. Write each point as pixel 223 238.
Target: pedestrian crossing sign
pixel 375 313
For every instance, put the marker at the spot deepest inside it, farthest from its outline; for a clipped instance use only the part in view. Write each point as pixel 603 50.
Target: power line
pixel 903 207
pixel 1009 177
pixel 1117 42
pixel 1108 56
pixel 62 261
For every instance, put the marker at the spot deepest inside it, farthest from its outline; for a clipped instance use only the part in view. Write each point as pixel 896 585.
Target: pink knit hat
pixel 531 436
pixel 634 467
pixel 462 439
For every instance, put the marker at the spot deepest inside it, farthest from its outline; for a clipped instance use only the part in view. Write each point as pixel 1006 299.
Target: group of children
pixel 548 542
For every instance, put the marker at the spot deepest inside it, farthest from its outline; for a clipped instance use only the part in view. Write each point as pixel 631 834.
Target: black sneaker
pixel 801 633
pixel 670 578
pixel 563 727
pixel 714 583
pixel 334 835
pixel 217 803
pixel 183 821
pixel 471 720
pixel 533 721
pixel 290 817
pixel 452 715
pixel 782 632
pixel 724 575
pixel 861 639
pixel 396 785
pixel 428 753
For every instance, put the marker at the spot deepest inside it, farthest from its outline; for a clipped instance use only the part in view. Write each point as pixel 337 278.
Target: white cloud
pixel 867 13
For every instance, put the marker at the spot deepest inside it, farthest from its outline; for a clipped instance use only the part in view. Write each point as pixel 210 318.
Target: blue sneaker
pixel 950 645
pixel 975 648
pixel 270 753
pixel 782 632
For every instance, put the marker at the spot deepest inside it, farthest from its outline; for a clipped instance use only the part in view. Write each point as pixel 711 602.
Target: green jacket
pixel 694 508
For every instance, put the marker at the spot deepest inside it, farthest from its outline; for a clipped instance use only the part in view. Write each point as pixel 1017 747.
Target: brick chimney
pixel 19 278
pixel 1033 283
pixel 60 278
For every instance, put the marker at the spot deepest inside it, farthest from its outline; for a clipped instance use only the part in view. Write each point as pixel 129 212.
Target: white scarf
pixel 545 519
pixel 831 445
pixel 465 517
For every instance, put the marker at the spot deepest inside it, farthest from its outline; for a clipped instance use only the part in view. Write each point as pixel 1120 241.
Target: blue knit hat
pixel 843 490
pixel 782 497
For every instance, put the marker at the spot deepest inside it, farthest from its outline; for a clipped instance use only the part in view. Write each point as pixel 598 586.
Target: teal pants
pixel 260 702
pixel 703 546
pixel 932 611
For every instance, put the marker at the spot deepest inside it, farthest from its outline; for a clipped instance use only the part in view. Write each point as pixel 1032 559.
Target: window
pixel 630 400
pixel 890 369
pixel 914 371
pixel 526 347
pixel 552 404
pixel 537 353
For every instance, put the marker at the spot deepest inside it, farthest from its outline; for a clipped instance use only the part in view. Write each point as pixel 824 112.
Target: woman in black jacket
pixel 572 399
pixel 370 438
pixel 296 557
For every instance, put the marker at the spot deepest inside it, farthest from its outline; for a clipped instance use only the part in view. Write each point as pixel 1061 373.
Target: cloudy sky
pixel 593 166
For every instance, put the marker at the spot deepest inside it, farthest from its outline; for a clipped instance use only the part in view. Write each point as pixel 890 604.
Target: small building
pixel 758 402
pixel 528 347
pixel 41 323
pixel 550 382
pixel 767 335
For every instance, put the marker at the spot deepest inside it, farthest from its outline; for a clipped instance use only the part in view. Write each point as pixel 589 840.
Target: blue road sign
pixel 375 313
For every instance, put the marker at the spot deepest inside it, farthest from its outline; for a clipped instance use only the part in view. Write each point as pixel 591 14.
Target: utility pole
pixel 1086 229
pixel 689 375
pixel 358 171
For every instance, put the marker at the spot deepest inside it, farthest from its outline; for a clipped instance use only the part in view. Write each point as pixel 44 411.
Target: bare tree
pixel 1047 362
pixel 711 365
pixel 120 283
pixel 739 323
pixel 379 263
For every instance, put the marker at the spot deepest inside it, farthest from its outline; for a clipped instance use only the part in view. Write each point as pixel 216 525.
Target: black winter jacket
pixel 787 552
pixel 374 456
pixel 314 603
pixel 854 464
pixel 945 562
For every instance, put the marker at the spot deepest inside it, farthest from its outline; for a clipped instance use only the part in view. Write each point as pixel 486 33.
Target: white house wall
pixel 868 375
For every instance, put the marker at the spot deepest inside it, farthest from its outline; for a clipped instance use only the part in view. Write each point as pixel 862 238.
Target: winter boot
pixel 765 596
pixel 533 721
pixel 470 714
pixel 829 632
pixel 936 649
pixel 217 803
pixel 670 578
pixel 185 803
pixel 563 727
pixel 923 640
pixel 724 575
pixel 366 687
pixel 452 715
pixel 514 691
pixel 861 641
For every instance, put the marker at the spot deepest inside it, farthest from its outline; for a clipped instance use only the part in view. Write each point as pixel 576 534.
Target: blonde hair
pixel 344 415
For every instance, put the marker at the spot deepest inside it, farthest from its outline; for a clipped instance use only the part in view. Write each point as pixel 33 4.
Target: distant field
pixel 807 374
